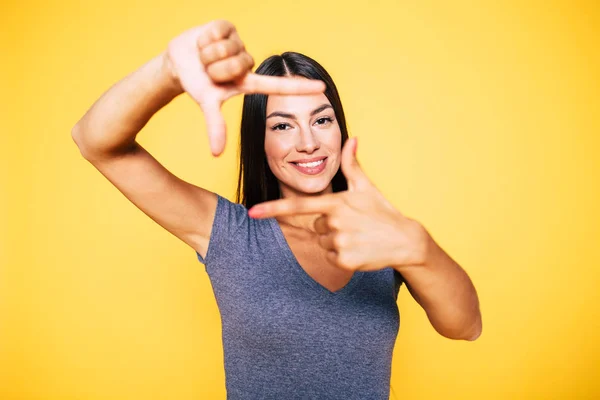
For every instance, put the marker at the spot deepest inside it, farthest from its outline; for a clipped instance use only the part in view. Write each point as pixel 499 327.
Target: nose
pixel 307 141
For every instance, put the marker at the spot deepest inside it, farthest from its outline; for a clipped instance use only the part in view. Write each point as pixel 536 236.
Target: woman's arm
pixel 363 231
pixel 211 64
pixel 445 292
pixel 111 125
pixel 106 137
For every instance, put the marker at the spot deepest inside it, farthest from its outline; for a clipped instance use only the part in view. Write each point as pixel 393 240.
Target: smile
pixel 310 164
pixel 311 168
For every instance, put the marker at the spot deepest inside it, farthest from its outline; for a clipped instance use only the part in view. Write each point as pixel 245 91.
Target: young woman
pixel 307 266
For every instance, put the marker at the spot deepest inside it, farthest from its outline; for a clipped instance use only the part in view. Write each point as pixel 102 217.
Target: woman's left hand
pixel 359 228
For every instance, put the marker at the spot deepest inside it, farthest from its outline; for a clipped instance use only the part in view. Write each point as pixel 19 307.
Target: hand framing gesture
pixel 360 229
pixel 211 64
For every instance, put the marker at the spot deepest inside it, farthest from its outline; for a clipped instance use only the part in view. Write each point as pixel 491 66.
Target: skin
pixel 310 130
pixel 362 211
pixel 303 136
pixel 211 64
pixel 338 232
pixel 358 229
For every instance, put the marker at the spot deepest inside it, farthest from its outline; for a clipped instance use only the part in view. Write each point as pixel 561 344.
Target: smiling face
pixel 302 143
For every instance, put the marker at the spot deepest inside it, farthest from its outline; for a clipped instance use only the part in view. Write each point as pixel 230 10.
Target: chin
pixel 310 187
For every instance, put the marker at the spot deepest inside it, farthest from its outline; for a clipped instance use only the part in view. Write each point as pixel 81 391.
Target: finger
pixel 216 128
pixel 236 38
pixel 327 241
pixel 215 31
pixel 332 256
pixel 254 83
pixel 231 68
pixel 315 205
pixel 188 66
pixel 357 179
pixel 220 50
pixel 322 225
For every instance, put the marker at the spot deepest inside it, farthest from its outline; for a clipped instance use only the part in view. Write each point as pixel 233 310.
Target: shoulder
pixel 230 219
pixel 233 230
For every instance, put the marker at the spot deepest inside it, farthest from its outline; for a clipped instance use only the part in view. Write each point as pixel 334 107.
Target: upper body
pixel 297 167
pixel 284 334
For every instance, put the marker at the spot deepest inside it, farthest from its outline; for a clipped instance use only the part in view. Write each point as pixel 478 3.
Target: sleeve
pixel 231 219
pixel 398 279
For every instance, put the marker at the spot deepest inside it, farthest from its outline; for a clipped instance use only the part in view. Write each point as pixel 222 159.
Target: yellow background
pixel 479 120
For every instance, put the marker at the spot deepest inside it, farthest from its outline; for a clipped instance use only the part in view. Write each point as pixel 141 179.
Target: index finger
pixel 316 205
pixel 255 83
pixel 214 31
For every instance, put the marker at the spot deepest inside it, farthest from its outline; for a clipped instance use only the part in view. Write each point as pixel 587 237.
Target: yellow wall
pixel 480 121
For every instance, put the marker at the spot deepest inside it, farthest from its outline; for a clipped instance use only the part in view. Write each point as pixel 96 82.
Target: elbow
pixel 471 333
pixel 75 133
pixel 473 337
pixel 93 146
pixel 76 136
pixel 474 332
pixel 79 137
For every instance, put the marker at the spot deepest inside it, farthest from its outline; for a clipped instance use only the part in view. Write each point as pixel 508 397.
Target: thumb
pixel 357 179
pixel 215 124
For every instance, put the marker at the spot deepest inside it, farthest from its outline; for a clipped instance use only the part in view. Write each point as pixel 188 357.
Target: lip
pixel 312 170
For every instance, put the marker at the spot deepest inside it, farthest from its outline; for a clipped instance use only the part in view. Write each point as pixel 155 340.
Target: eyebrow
pixel 292 116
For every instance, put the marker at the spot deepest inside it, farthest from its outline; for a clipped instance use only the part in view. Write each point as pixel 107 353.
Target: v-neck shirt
pixel 284 334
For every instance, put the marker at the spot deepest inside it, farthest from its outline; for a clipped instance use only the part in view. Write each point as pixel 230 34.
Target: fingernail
pixel 254 212
pixel 355 145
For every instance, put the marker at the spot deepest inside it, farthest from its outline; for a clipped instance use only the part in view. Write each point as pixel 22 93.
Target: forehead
pixel 296 104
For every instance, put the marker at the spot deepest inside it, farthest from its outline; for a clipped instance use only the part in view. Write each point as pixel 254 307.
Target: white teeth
pixel 311 164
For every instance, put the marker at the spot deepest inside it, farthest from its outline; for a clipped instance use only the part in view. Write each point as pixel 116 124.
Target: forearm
pixel 445 292
pixel 114 120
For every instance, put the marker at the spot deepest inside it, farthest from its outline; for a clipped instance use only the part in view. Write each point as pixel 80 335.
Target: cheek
pixel 334 142
pixel 275 149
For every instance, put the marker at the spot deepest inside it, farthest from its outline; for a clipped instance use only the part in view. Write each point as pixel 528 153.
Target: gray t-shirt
pixel 285 336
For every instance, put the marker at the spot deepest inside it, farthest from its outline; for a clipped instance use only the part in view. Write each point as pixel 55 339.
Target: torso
pixel 312 258
pixel 286 336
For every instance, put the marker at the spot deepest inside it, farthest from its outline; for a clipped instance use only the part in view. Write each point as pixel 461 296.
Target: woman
pixel 307 279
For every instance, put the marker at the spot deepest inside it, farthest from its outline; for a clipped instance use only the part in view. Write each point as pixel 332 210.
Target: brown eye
pixel 279 127
pixel 323 121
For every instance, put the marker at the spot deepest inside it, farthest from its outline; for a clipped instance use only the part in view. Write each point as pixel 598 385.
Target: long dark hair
pixel 256 182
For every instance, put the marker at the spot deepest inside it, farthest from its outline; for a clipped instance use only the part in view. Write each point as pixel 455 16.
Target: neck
pixel 303 221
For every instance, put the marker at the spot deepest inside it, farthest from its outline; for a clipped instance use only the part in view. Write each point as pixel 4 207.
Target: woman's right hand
pixel 211 64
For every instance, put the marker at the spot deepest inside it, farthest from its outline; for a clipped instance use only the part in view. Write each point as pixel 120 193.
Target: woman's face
pixel 302 143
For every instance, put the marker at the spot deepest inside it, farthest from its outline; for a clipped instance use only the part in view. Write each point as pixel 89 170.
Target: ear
pixel 357 179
